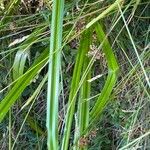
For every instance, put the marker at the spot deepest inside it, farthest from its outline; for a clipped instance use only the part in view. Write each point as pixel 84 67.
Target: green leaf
pixel 23 53
pixel 19 63
pixel 104 13
pixel 21 84
pixel 82 51
pixel 103 99
pixel 54 74
pixel 83 110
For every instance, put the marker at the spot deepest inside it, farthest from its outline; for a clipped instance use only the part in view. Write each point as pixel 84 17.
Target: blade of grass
pixel 19 63
pixel 25 118
pixel 135 49
pixel 134 141
pixel 54 74
pixel 30 120
pixel 84 47
pixel 36 92
pixel 21 84
pixel 111 78
pixel 10 131
pixel 103 99
pixel 104 13
pixel 84 103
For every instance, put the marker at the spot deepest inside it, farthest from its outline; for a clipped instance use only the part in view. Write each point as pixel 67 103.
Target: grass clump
pixel 89 59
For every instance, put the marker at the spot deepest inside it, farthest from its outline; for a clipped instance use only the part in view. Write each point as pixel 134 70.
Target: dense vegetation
pixel 74 74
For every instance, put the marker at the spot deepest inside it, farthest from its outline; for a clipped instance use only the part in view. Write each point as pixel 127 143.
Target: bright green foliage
pixel 82 51
pixel 53 75
pixel 21 84
pixel 112 74
pixel 83 103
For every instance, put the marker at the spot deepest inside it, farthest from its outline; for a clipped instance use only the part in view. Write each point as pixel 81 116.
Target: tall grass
pixel 81 109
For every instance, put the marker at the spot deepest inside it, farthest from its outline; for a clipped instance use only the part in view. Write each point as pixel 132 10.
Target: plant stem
pixel 54 73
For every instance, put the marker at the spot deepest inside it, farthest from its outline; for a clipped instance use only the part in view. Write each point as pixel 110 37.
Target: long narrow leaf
pixel 111 78
pixel 84 47
pixel 104 13
pixel 84 103
pixel 54 74
pixel 21 84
